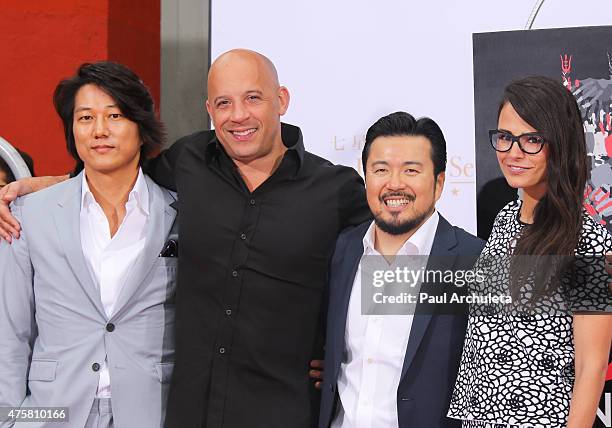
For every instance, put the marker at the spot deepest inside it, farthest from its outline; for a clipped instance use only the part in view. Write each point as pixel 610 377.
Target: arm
pixel 9 226
pixel 17 322
pixel 592 337
pixel 162 168
pixel 354 208
pixel 609 270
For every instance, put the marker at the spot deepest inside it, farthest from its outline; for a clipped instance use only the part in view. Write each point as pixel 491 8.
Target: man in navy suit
pixel 395 370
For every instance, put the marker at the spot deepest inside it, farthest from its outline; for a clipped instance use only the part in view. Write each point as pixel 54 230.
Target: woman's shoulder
pixel 508 214
pixel 594 237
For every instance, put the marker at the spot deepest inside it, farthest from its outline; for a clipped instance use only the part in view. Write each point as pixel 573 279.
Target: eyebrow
pixel 404 163
pixel 524 133
pixel 252 91
pixel 83 108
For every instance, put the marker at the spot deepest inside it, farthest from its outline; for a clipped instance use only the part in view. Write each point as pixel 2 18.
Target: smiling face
pixel 245 103
pixel 522 170
pixel 401 187
pixel 106 141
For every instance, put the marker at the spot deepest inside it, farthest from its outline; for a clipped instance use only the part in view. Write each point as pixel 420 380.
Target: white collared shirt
pixel 109 259
pixel 375 346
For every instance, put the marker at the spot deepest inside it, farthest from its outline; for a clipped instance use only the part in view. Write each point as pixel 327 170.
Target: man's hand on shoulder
pixel 9 226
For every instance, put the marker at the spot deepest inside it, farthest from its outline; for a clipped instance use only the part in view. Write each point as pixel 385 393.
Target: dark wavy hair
pixel 551 109
pixel 125 88
pixel 402 123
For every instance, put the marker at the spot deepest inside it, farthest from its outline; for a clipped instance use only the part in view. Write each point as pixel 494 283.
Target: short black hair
pixel 125 88
pixel 402 123
pixel 10 177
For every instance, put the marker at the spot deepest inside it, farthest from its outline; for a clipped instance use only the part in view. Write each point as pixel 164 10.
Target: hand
pixel 316 371
pixel 9 226
pixel 592 95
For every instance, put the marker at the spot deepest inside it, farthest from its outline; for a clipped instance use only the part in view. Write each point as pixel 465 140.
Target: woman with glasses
pixel 540 361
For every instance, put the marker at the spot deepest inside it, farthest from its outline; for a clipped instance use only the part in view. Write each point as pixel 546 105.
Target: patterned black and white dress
pixel 517 367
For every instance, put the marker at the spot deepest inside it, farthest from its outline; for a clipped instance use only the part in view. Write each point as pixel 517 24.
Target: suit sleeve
pixel 162 169
pixel 17 322
pixel 354 208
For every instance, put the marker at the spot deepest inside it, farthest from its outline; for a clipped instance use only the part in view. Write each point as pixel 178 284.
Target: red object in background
pixel 45 41
pixel 609 374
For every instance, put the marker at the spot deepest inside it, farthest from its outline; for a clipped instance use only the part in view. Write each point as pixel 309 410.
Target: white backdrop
pixel 348 62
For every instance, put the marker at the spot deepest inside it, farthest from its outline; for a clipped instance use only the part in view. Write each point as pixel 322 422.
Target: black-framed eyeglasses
pixel 530 143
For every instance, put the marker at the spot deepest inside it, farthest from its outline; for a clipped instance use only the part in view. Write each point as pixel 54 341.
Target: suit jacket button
pixel 110 327
pixel 95 367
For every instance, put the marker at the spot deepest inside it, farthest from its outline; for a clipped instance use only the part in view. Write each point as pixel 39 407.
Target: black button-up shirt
pixel 251 278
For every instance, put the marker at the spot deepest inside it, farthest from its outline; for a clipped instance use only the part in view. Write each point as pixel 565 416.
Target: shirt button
pixel 252 201
pixel 110 327
pixel 243 236
pixel 221 350
pixel 95 367
pixel 235 273
pixel 228 312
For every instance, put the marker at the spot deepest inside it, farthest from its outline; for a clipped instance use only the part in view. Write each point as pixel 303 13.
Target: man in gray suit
pixel 87 294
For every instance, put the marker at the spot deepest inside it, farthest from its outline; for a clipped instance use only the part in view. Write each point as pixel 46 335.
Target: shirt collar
pixel 419 243
pixel 290 134
pixel 139 195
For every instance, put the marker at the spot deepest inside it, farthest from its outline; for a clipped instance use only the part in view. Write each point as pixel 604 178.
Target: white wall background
pixel 348 62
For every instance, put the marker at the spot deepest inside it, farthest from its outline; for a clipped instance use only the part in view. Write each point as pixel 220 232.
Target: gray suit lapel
pixel 158 227
pixel 66 215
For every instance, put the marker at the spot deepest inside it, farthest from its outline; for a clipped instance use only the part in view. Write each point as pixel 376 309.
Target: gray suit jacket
pixel 53 327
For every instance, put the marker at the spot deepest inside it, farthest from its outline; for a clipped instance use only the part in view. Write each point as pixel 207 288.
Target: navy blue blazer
pixel 435 343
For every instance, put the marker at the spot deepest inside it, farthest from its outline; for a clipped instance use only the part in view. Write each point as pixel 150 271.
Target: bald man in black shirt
pixel 258 219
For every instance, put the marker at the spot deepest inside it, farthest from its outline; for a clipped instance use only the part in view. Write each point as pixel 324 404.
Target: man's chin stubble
pixel 393 228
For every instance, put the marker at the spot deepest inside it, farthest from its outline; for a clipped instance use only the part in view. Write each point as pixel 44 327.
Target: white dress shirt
pixel 109 259
pixel 375 346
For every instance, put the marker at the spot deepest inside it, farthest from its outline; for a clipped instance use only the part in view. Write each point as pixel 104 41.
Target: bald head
pixel 245 103
pixel 245 59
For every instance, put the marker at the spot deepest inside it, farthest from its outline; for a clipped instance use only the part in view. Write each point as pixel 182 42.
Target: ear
pixel 208 108
pixel 283 98
pixel 439 185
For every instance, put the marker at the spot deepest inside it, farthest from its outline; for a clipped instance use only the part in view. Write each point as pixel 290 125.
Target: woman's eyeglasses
pixel 530 143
